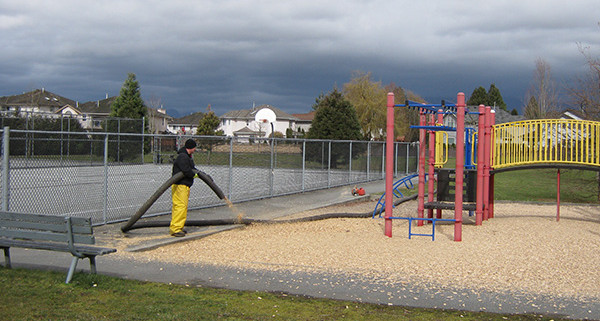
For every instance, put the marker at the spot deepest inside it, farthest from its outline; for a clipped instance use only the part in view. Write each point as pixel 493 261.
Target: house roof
pixel 573 114
pixel 247 131
pixel 98 107
pixel 37 97
pixel 152 112
pixel 307 116
pixel 248 114
pixel 502 116
pixel 191 119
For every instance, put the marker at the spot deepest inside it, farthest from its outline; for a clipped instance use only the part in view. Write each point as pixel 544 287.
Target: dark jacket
pixel 184 163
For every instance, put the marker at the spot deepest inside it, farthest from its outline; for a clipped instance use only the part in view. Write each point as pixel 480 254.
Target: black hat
pixel 190 143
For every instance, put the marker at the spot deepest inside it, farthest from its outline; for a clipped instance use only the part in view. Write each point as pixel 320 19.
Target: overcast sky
pixel 233 54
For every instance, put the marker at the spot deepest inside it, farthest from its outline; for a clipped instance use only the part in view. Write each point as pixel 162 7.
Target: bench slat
pixel 51 246
pixel 76 221
pixel 60 227
pixel 48 236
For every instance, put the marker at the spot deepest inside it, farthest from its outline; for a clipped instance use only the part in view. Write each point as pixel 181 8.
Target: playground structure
pixel 541 143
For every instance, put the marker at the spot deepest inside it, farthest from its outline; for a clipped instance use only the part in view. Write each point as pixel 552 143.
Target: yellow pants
pixel 181 196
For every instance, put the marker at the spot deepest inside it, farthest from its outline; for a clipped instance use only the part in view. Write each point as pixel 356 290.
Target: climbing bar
pixel 432 220
pixel 435 128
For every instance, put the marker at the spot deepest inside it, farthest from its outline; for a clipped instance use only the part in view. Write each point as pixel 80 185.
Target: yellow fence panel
pixel 546 141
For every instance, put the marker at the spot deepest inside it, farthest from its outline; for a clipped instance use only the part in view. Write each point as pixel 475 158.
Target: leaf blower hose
pixel 175 178
pixel 246 221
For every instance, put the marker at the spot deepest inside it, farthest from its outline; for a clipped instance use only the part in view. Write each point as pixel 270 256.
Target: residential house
pixel 304 121
pixel 242 123
pixel 186 124
pixel 37 101
pixel 43 103
pixel 158 120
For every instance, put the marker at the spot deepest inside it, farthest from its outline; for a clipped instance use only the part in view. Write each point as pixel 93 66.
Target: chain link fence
pixel 108 176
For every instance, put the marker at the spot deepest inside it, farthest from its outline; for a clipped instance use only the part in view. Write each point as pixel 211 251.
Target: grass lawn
pixel 576 186
pixel 43 295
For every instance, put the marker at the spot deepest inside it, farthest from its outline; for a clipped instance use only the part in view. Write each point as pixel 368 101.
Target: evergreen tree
pixel 478 97
pixel 335 118
pixel 129 103
pixel 494 98
pixel 208 125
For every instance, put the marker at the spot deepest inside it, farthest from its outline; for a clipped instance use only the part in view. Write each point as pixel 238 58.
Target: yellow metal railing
pixel 546 141
pixel 441 149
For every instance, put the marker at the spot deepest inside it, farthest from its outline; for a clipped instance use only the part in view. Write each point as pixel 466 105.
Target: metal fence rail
pixel 108 176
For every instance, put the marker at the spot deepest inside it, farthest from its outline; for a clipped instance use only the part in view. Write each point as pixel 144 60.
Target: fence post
pixel 369 161
pixel 303 165
pixel 230 167
pixel 272 164
pixel 407 157
pixel 329 165
pixel 105 207
pixel 5 169
pixel 395 159
pixel 143 125
pixel 350 163
pixel 383 155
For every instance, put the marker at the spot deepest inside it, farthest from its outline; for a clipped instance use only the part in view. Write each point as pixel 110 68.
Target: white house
pixel 241 123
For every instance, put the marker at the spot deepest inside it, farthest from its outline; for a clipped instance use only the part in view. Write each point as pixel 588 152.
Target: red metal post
pixel 421 192
pixel 490 168
pixel 431 146
pixel 389 165
pixel 558 195
pixel 480 164
pixel 460 165
pixel 440 121
pixel 486 164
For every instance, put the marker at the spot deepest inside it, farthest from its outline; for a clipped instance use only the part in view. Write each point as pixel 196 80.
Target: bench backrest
pixel 45 227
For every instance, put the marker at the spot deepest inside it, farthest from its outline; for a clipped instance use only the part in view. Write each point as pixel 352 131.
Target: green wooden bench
pixel 53 233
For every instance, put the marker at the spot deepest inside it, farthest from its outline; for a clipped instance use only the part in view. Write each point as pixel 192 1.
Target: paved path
pixel 322 285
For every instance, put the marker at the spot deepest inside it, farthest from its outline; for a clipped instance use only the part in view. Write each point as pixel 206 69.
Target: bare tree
pixel 155 103
pixel 586 93
pixel 543 90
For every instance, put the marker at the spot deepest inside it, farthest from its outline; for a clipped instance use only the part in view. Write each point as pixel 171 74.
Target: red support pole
pixel 490 168
pixel 480 164
pixel 440 121
pixel 431 146
pixel 421 192
pixel 389 165
pixel 460 165
pixel 558 195
pixel 486 165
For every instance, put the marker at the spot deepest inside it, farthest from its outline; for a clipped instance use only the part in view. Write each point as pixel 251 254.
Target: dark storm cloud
pixel 231 54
